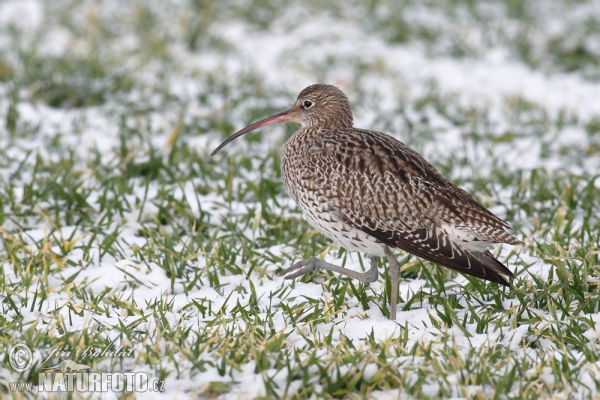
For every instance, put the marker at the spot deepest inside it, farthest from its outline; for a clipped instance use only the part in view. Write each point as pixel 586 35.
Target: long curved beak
pixel 285 116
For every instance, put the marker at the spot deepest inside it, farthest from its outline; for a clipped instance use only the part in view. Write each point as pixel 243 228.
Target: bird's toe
pixel 300 268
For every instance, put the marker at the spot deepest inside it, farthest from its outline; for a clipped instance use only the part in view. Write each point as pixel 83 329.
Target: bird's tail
pixel 490 261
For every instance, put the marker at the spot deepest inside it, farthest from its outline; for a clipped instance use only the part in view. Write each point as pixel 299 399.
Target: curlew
pixel 371 193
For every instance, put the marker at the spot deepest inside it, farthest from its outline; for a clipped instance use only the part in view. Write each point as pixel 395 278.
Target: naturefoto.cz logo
pixel 70 376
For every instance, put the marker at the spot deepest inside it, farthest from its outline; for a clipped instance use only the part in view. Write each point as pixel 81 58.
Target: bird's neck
pixel 304 136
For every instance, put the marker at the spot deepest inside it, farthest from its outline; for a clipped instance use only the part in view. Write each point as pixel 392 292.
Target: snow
pixel 283 62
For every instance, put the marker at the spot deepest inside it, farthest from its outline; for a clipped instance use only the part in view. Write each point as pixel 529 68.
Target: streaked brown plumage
pixel 369 192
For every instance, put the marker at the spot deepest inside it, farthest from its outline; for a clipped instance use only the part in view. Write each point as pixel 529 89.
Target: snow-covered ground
pixel 490 118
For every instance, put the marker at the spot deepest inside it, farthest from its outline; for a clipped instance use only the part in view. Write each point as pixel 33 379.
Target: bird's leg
pixel 395 276
pixel 314 264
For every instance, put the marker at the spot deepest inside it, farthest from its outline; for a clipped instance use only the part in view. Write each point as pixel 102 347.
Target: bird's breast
pixel 319 200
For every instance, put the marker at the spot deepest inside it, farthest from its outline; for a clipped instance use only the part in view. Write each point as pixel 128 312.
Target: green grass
pixel 117 227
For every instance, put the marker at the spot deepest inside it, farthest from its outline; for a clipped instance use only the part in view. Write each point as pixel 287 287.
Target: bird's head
pixel 317 106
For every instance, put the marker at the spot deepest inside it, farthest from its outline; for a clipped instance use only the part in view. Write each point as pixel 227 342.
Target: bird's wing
pixel 375 178
pixel 389 191
pixel 433 245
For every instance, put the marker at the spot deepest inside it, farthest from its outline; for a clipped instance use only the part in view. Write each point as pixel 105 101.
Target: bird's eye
pixel 307 104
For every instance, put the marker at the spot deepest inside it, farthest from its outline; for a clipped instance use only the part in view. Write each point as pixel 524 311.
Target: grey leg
pixel 395 276
pixel 314 264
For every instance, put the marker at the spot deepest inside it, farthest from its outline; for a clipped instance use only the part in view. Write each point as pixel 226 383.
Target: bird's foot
pixel 314 264
pixel 302 268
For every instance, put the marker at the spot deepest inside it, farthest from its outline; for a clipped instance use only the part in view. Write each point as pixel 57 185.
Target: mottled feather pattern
pixel 364 189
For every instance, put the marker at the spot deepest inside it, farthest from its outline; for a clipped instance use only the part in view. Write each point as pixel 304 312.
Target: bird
pixel 371 193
